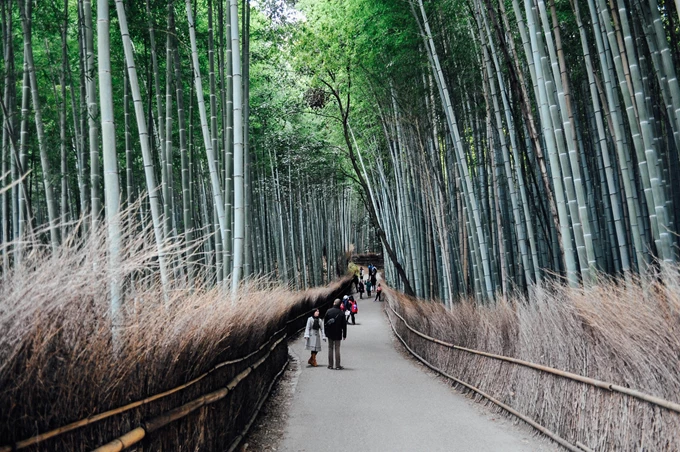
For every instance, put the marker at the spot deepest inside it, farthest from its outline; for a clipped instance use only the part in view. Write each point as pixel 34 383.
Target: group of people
pixel 369 283
pixel 333 327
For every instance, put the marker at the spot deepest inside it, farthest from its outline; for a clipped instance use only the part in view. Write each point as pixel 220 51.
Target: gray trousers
pixel 333 347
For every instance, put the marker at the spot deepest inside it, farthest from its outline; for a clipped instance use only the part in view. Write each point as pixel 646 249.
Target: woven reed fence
pixel 206 400
pixel 556 362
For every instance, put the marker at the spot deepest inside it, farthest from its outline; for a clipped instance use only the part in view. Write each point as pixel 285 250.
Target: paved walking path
pixel 383 401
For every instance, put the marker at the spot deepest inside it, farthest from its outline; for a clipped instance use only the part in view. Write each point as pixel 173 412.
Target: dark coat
pixel 337 329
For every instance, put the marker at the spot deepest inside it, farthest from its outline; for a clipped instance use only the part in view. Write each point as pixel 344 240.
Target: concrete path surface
pixel 383 401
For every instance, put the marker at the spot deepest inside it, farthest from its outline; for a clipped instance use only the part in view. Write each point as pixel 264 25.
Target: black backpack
pixel 332 320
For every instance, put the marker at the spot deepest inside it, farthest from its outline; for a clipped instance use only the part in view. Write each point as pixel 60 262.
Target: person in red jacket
pixel 378 293
pixel 353 309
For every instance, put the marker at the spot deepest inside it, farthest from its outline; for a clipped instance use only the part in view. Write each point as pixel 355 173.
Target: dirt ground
pixel 267 432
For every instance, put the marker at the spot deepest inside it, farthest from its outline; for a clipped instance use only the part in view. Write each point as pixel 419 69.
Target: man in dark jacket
pixel 336 331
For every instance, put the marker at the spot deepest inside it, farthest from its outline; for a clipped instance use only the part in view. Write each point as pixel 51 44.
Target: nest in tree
pixel 316 98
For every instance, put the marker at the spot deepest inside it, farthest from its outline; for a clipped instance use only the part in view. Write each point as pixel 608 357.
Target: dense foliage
pixel 490 145
pixel 507 142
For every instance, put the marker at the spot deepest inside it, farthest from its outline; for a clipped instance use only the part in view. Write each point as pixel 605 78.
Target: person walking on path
pixel 368 287
pixel 353 309
pixel 374 280
pixel 378 293
pixel 360 289
pixel 355 281
pixel 314 334
pixel 336 331
pixel 346 306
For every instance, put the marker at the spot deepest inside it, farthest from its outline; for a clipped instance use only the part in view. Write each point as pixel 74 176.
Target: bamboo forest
pixel 183 182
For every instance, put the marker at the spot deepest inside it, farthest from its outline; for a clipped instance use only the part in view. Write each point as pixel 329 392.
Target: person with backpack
pixel 336 331
pixel 314 334
pixel 378 293
pixel 368 288
pixel 346 306
pixel 353 309
pixel 360 289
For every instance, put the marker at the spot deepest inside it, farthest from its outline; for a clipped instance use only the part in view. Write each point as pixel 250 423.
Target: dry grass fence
pixel 58 364
pixel 627 335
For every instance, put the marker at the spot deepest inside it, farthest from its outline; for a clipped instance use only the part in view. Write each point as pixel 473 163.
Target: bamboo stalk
pixel 238 155
pixel 125 441
pixel 178 413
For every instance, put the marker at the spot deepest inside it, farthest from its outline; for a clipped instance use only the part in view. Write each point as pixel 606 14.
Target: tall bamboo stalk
pixel 150 176
pixel 111 186
pixel 92 112
pixel 26 20
pixel 239 168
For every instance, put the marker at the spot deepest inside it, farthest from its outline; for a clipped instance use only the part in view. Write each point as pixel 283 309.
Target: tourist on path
pixel 346 306
pixel 368 287
pixel 360 289
pixel 336 331
pixel 374 280
pixel 353 309
pixel 314 334
pixel 378 293
pixel 355 281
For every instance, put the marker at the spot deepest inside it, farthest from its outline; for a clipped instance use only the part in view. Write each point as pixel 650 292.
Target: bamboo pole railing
pixel 554 436
pixel 561 373
pixel 133 436
pixel 263 398
pixel 107 414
